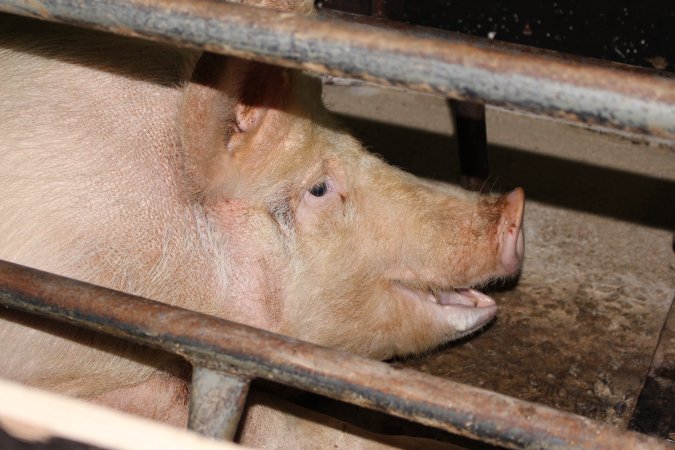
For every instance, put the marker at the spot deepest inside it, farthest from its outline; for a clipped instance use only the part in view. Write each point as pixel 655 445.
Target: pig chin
pixel 464 310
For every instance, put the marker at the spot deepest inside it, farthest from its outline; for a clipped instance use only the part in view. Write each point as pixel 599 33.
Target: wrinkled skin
pixel 222 186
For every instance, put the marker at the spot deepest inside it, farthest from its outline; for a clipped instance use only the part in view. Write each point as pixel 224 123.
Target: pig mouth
pixel 464 309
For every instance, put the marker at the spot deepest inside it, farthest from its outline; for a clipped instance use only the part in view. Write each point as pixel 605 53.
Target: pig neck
pixel 149 240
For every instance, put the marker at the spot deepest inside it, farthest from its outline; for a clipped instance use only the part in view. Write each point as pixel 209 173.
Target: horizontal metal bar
pixel 544 82
pixel 219 344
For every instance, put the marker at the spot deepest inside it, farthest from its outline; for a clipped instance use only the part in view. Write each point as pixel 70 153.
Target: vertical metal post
pixel 471 134
pixel 216 402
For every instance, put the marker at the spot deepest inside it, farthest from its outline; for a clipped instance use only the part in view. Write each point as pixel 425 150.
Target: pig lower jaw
pixel 465 310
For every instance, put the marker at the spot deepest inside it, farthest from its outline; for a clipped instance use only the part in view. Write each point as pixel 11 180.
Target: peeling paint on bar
pixel 544 82
pixel 246 353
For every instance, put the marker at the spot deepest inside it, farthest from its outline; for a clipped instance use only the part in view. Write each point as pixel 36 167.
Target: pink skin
pixel 466 309
pixel 511 230
pixel 198 180
pixel 469 309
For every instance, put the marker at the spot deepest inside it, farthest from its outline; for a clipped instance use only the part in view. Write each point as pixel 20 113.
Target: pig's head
pixel 349 252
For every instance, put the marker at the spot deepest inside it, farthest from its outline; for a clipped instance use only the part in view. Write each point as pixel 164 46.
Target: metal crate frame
pixel 226 356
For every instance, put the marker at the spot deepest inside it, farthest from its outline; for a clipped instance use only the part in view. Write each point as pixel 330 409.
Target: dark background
pixel 640 33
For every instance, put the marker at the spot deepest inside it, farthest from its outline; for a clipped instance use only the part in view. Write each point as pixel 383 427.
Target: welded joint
pixel 217 400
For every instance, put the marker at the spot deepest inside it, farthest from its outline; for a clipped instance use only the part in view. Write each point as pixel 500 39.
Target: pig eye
pixel 319 189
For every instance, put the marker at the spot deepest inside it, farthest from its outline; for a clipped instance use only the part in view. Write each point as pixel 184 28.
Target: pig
pixel 224 186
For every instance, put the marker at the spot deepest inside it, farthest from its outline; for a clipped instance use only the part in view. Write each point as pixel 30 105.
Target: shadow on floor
pixel 556 181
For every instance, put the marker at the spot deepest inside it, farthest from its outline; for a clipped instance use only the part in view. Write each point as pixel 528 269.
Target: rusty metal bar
pixel 248 352
pixel 217 400
pixel 544 82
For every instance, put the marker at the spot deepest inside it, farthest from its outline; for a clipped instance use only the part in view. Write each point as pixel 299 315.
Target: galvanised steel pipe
pixel 543 82
pixel 247 353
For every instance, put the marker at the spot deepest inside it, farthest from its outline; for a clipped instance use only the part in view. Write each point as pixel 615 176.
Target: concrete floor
pixel 579 330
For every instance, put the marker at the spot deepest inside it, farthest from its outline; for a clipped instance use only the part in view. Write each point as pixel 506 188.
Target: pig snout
pixel 470 309
pixel 511 231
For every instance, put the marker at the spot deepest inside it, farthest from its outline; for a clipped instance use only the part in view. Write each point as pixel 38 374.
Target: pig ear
pixel 262 87
pixel 225 102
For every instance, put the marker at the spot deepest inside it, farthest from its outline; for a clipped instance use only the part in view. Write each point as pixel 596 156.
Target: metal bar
pixel 217 400
pixel 471 132
pixel 248 352
pixel 655 409
pixel 544 82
